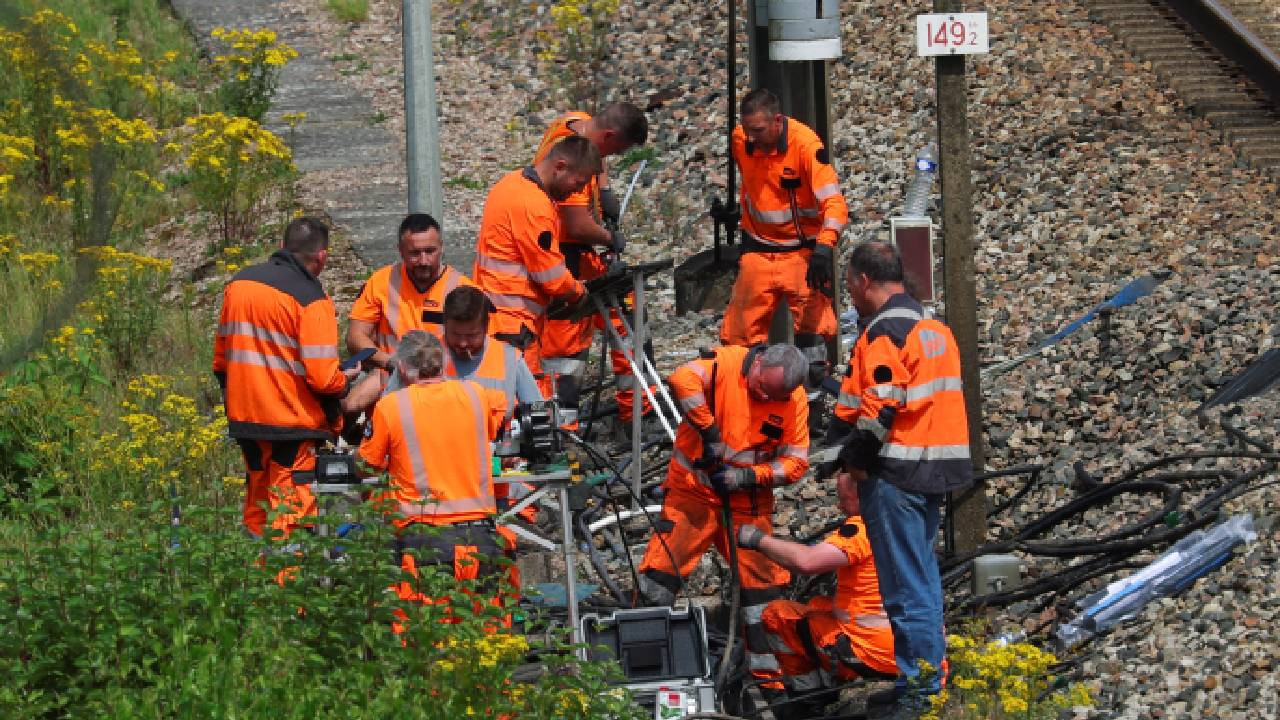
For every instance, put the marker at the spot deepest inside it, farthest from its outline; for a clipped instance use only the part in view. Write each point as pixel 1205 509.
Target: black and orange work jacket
pixel 276 353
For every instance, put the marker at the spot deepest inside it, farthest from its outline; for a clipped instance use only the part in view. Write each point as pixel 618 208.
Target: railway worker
pixel 832 636
pixel 473 355
pixel 786 172
pixel 405 295
pixel 518 260
pixel 745 431
pixel 276 357
pixel 901 420
pixel 432 436
pixel 589 219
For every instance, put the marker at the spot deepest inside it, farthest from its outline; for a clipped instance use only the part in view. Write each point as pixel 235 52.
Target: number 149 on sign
pixel 952 34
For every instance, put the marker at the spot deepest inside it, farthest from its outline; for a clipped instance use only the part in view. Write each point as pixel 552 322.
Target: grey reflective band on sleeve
pixel 826 191
pixel 516 301
pixel 936 452
pixel 256 332
pixel 311 352
pixel 275 362
pixel 872 426
pixel 886 391
pixel 848 400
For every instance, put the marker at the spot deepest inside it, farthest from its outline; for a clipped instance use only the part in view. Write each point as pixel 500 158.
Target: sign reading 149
pixel 952 34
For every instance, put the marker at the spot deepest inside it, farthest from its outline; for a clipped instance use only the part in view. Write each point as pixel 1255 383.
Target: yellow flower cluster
pixel 997 678
pixel 39 264
pixel 16 152
pixel 250 48
pixel 8 245
pixel 486 651
pixel 163 437
pixel 223 144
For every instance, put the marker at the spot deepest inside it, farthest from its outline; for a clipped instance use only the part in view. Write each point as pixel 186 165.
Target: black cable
pixel 602 459
pixel 595 397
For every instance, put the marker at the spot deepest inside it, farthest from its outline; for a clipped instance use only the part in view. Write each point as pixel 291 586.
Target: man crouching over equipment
pixel 433 436
pixel 745 431
pixel 844 636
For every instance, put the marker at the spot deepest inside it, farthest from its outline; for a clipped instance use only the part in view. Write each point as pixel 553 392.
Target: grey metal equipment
pixel 547 484
pixel 801 30
pixel 996 573
pixel 662 653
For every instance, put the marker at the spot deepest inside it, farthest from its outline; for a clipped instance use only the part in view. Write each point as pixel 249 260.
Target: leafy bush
pixel 250 69
pixel 190 622
pixel 352 11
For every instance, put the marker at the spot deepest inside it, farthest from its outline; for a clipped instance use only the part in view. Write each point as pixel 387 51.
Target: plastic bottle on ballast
pixel 921 187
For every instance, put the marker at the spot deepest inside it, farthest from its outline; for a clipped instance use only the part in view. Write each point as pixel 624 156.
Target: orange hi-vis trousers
pixel 269 483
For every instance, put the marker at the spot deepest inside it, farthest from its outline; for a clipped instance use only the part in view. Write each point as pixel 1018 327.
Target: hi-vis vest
pixel 766 204
pixel 434 438
pixel 276 353
pixel 496 372
pixel 390 301
pixel 903 395
pixel 770 437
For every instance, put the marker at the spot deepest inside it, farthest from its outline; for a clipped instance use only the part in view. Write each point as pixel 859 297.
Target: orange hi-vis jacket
pixel 391 302
pixel 766 204
pixel 903 402
pixel 434 438
pixel 857 603
pixel 276 353
pixel 518 260
pixel 771 437
pixel 566 338
pixel 497 373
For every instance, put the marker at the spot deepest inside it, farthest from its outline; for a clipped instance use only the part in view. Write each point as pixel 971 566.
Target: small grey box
pixel 996 573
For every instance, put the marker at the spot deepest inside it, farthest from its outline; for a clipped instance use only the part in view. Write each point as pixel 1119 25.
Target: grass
pixel 351 11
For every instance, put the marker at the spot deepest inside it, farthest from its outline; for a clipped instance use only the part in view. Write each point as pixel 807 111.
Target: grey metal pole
pixel 570 566
pixel 421 127
pixel 637 402
pixel 968 512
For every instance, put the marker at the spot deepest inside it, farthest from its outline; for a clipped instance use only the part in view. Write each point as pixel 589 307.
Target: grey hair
pixel 795 366
pixel 419 355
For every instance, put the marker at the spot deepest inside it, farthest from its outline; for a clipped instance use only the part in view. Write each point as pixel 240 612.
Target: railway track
pixel 1222 57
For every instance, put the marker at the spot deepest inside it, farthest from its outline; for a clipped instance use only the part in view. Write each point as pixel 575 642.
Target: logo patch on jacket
pixel 932 343
pixel 772 428
pixel 882 374
pixel 821 156
pixel 544 239
pixel 848 531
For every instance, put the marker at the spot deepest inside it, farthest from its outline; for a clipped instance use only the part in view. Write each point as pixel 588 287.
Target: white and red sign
pixel 952 34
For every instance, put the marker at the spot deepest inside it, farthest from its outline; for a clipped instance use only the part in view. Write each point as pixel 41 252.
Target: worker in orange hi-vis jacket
pixel 276 357
pixel 745 431
pixel 903 428
pixel 588 220
pixel 792 214
pixel 433 437
pixel 832 637
pixel 518 260
pixel 405 295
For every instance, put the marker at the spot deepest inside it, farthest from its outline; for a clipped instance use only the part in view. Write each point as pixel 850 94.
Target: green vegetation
pixel 352 11
pixel 117 143
pixel 465 181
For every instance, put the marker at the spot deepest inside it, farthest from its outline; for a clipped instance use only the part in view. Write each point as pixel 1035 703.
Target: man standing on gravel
pixel 792 214
pixel 589 219
pixel 276 358
pixel 901 420
pixel 518 259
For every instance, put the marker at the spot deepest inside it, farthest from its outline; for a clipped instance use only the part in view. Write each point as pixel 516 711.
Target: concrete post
pixel 421 126
pixel 968 510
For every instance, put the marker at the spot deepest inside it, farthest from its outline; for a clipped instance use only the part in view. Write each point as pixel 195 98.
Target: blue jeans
pixel 902 527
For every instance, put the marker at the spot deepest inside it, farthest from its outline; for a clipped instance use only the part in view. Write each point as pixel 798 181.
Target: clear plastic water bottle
pixel 921 188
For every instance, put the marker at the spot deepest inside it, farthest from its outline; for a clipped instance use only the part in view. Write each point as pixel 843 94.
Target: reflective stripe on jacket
pixel 904 401
pixel 276 353
pixel 518 260
pixel 433 438
pixel 772 437
pixel 766 205
pixel 391 302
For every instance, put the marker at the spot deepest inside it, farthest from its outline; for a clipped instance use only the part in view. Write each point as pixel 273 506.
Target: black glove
pixel 821 275
pixel 749 536
pixel 726 479
pixel 617 241
pixel 610 208
pixel 712 448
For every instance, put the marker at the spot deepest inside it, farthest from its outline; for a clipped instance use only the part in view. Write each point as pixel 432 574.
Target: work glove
pixel 617 241
pixel 821 274
pixel 610 207
pixel 726 479
pixel 712 448
pixel 749 537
